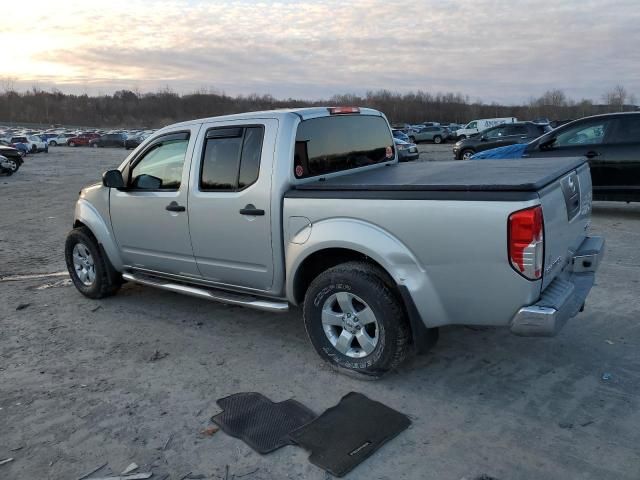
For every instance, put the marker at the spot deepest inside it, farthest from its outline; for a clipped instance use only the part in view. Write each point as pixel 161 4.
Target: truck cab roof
pixel 301 113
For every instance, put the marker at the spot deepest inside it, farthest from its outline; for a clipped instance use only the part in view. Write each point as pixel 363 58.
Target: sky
pixel 506 51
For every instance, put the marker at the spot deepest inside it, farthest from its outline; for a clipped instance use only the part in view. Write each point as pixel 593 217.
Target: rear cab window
pixel 335 143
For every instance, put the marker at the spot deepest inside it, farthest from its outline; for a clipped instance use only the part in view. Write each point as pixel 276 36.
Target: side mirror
pixel 113 179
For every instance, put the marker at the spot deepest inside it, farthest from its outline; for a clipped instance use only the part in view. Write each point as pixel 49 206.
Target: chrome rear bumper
pixel 564 297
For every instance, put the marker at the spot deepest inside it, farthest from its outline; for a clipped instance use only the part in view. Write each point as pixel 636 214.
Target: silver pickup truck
pixel 310 207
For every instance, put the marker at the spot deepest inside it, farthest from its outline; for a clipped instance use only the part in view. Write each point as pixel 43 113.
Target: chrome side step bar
pixel 210 294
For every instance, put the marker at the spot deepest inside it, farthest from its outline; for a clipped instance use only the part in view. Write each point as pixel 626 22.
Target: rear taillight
pixel 526 242
pixel 343 110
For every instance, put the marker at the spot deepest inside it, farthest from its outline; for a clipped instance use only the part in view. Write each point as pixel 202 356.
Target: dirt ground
pixel 134 378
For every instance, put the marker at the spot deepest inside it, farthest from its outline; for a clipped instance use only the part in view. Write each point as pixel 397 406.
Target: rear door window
pixel 625 130
pixel 336 143
pixel 520 130
pixel 231 158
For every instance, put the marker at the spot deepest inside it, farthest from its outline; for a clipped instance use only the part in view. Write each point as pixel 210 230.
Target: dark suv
pixel 108 140
pixel 611 142
pixel 498 136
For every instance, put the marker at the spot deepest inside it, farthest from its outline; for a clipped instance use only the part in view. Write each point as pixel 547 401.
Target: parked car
pixel 108 140
pixel 47 136
pixel 453 129
pixel 400 135
pixel 11 159
pixel 476 126
pixel 61 139
pixel 135 141
pixel 610 142
pixel 505 134
pixel 21 147
pixel 429 134
pixel 407 151
pixel 312 208
pixel 33 143
pixel 82 139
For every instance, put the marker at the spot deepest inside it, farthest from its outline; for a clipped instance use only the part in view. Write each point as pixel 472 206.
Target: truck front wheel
pixel 355 321
pixel 89 269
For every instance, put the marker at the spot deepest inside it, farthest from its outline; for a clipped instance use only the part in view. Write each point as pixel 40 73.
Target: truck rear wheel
pixel 89 269
pixel 355 321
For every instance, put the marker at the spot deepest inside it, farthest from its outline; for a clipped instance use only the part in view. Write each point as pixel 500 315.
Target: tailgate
pixel 566 207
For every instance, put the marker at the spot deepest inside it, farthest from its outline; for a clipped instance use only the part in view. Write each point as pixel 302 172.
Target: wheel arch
pixel 87 216
pixel 361 241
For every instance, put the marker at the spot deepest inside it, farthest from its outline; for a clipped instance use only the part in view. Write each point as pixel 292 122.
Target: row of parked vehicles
pixel 31 142
pixel 442 132
pixel 15 145
pixel 610 143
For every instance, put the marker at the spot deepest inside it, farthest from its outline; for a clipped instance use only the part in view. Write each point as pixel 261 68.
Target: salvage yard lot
pixel 134 378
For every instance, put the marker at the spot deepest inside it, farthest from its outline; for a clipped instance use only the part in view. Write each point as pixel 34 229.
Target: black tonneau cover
pixel 519 175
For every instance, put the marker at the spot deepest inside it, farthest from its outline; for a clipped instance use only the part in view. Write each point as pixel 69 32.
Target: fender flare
pixel 91 218
pixel 376 243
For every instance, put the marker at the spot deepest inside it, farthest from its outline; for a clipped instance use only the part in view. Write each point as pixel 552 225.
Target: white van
pixel 476 126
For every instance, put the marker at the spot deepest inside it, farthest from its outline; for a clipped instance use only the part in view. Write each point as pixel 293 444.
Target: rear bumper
pixel 564 297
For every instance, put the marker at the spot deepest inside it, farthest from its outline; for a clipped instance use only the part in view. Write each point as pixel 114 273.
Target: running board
pixel 210 294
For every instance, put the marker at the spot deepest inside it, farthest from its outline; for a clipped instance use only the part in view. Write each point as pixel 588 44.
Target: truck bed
pixel 522 177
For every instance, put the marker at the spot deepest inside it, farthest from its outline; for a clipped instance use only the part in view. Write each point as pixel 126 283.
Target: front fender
pixel 89 215
pixel 379 245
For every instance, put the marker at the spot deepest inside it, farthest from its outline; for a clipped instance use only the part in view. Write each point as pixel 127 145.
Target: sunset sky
pixel 505 51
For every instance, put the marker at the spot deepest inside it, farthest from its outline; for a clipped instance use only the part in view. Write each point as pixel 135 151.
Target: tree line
pixel 132 109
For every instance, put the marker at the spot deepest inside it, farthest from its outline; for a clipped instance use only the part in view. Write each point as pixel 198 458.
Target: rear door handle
pixel 591 154
pixel 251 210
pixel 174 207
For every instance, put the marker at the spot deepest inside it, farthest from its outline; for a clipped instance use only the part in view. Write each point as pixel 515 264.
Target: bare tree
pixel 616 98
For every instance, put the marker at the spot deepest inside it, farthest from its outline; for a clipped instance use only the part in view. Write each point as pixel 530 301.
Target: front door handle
pixel 251 210
pixel 174 207
pixel 591 154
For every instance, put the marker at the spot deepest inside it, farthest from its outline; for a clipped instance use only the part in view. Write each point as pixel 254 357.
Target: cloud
pixel 489 49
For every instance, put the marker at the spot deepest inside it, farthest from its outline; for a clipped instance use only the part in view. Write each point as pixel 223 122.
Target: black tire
pixel 462 137
pixel 14 166
pixel 71 144
pixel 413 139
pixel 466 153
pixel 107 280
pixel 53 143
pixel 437 139
pixel 34 148
pixel 366 282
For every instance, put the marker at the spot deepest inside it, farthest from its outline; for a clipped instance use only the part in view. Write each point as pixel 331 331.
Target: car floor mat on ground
pixel 345 435
pixel 259 422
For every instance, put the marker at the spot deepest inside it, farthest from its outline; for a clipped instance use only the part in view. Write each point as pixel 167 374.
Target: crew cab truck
pixel 310 207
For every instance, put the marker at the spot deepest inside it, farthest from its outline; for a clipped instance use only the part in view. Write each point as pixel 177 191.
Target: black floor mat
pixel 262 424
pixel 344 435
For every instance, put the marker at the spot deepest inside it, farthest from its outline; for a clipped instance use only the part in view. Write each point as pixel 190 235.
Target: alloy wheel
pixel 350 325
pixel 83 264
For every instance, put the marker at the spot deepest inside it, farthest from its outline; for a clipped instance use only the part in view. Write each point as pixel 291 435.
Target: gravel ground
pixel 134 378
pixel 430 152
